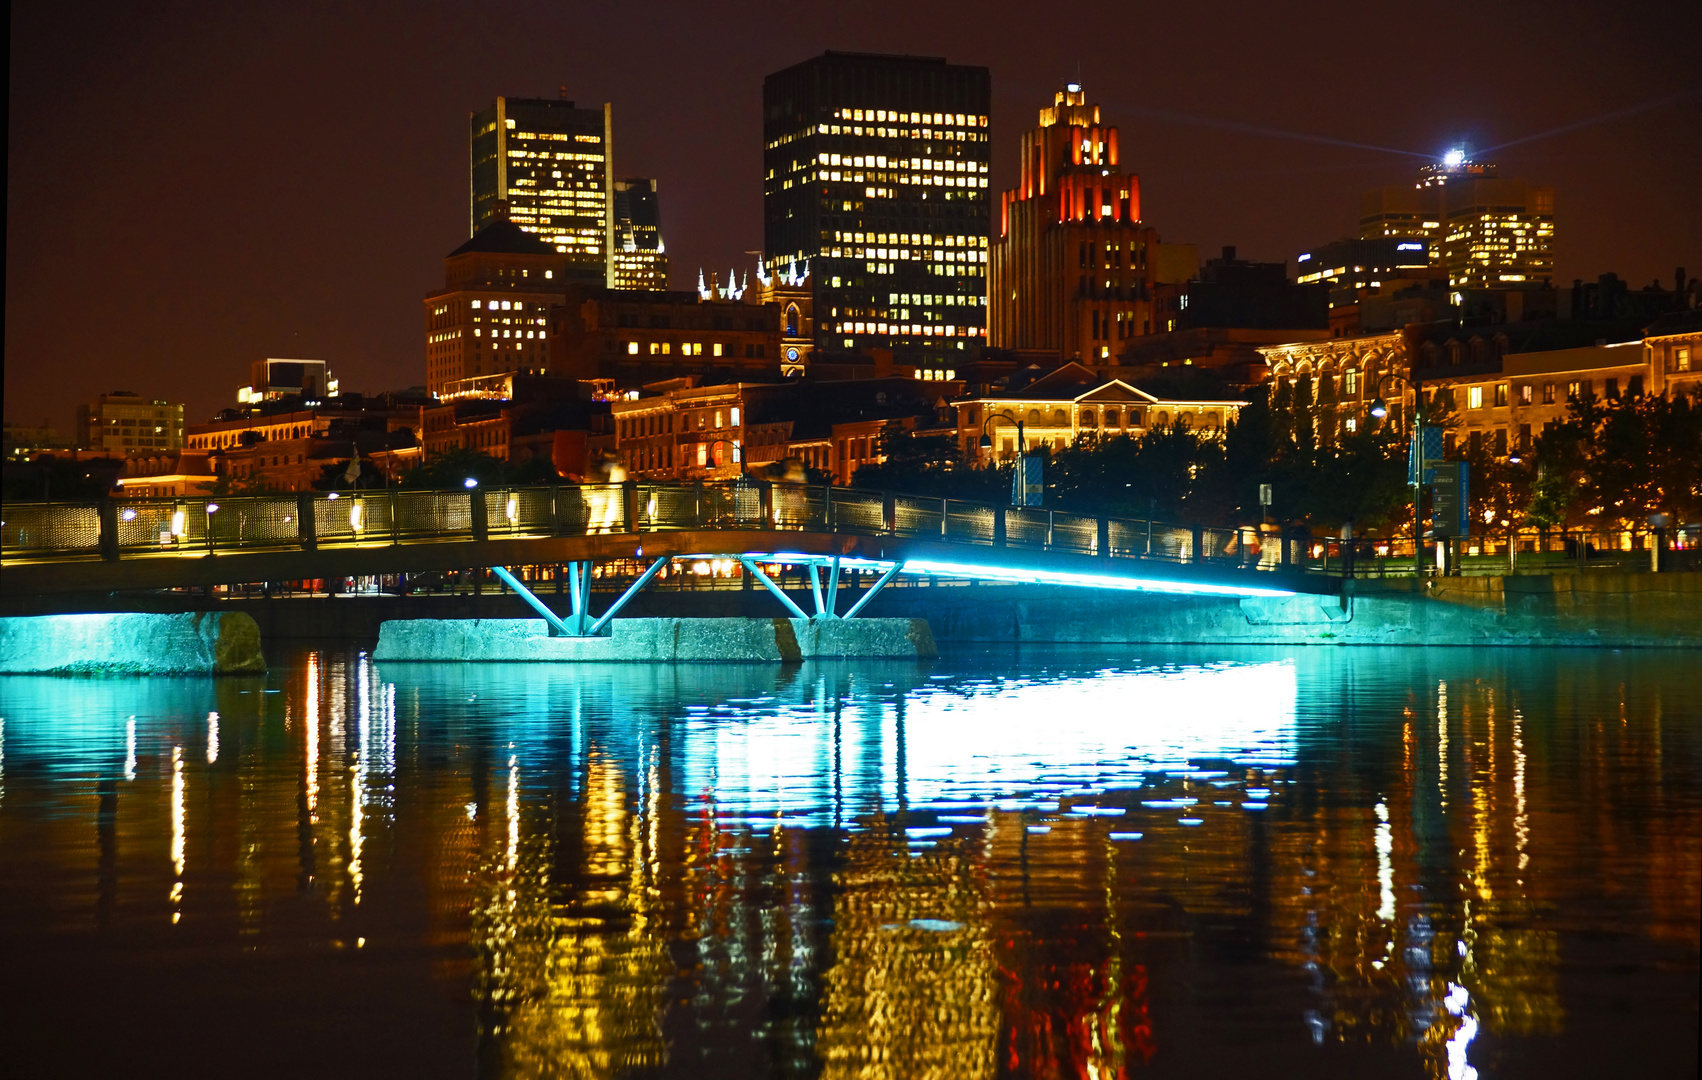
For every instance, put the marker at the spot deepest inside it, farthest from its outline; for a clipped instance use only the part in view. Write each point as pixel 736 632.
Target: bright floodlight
pixel 470 482
pixel 1378 409
pixel 1454 158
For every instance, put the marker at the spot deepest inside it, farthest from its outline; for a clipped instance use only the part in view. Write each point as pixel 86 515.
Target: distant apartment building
pixel 1350 268
pixel 690 431
pixel 638 258
pixel 1497 386
pixel 123 423
pixel 545 165
pixel 636 337
pixel 875 184
pixel 1482 232
pixel 492 315
pixel 1072 268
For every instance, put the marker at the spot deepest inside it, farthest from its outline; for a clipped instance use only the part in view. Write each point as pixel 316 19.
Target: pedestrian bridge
pixel 66 548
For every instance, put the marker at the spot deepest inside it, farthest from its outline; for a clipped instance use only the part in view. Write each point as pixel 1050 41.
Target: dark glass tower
pixel 638 259
pixel 549 161
pixel 876 183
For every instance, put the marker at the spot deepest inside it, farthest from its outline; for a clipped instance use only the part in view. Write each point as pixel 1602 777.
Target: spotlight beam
pixel 1616 114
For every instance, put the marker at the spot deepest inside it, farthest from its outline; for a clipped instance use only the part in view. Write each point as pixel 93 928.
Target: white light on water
pixel 1012 744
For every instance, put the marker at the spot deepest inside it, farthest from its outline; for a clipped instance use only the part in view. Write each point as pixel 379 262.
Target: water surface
pixel 1054 862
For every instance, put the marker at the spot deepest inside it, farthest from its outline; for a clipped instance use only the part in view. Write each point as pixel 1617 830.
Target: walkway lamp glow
pixel 1378 409
pixel 469 483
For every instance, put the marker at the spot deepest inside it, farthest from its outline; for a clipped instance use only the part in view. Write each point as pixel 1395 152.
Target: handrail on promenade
pixel 195 525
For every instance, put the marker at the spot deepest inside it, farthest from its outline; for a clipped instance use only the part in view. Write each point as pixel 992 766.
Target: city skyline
pixel 332 271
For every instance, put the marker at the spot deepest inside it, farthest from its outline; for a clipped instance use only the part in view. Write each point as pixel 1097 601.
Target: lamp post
pixel 987 440
pixel 1381 410
pixel 1021 452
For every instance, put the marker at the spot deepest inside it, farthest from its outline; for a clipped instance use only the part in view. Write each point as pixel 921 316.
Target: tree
pixel 451 469
pixel 930 465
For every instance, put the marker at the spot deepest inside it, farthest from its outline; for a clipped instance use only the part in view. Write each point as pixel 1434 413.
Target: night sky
pixel 193 189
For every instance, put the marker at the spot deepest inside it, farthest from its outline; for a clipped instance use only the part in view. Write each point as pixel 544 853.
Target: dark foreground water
pixel 1159 862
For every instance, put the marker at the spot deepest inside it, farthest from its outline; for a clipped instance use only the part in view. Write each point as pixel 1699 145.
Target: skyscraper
pixel 549 161
pixel 638 258
pixel 1072 267
pixel 1483 232
pixel 876 187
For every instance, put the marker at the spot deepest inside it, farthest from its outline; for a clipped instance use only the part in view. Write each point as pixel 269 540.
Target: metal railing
pixel 196 525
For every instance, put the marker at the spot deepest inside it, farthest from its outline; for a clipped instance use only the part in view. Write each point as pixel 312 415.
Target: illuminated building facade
pixel 1350 266
pixel 1072 268
pixel 492 315
pixel 638 259
pixel 875 185
pixel 123 423
pixel 548 163
pixel 1071 402
pixel 1483 232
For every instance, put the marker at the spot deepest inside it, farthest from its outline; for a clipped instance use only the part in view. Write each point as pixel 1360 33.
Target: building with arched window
pixel 1072 403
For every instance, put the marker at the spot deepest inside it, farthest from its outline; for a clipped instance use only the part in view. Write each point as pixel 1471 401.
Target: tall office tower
pixel 492 314
pixel 639 259
pixel 1482 231
pixel 876 188
pixel 1072 267
pixel 549 162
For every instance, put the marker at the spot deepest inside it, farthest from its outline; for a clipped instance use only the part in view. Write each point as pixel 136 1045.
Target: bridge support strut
pixel 580 580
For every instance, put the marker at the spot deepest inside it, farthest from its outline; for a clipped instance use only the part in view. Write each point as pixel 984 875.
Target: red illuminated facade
pixel 1071 267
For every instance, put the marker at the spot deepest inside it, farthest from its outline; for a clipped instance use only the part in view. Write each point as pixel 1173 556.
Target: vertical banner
pixel 1027 481
pixel 1450 513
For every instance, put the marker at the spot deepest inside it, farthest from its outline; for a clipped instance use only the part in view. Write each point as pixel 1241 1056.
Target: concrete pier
pixel 773 641
pixel 188 643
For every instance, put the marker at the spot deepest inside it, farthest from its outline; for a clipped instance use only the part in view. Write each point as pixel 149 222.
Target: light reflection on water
pixel 1043 863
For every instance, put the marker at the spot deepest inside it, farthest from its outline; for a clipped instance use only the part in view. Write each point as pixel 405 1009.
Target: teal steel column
pixel 752 569
pixel 557 627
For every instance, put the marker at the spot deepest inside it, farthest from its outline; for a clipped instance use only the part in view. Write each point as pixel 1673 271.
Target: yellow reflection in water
pixel 912 993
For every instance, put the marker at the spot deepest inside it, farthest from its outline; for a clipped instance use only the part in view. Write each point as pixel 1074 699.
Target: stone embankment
pixel 736 640
pixel 132 643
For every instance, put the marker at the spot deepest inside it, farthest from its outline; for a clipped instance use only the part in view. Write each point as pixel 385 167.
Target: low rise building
pixel 123 423
pixel 1073 401
pixel 636 337
pixel 167 473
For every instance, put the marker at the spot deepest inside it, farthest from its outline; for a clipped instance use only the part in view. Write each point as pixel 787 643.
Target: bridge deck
pixel 162 544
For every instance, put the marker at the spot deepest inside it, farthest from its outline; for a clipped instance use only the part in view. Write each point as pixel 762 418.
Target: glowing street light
pixel 1379 409
pixel 469 483
pixel 1454 158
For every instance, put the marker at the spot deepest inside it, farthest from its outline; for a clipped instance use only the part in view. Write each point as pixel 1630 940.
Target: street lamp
pixel 469 483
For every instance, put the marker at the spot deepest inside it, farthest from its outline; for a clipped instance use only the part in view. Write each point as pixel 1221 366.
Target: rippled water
pixel 1058 862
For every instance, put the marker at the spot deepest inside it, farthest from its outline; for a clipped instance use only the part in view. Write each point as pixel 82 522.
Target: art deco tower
pixel 1072 267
